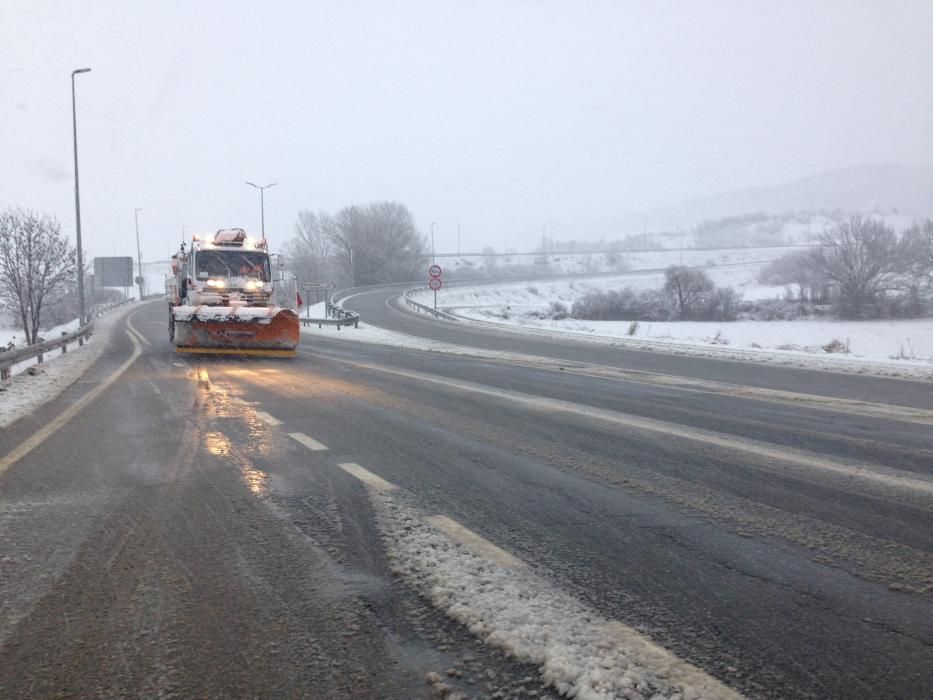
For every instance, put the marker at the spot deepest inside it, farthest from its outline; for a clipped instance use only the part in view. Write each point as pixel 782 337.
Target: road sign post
pixel 434 283
pixel 317 288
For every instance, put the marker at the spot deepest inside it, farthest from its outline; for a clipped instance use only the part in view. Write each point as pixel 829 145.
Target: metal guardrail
pixel 423 308
pixel 336 316
pixel 11 358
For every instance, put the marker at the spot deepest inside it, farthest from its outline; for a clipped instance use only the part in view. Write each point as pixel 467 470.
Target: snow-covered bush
pixel 723 305
pixel 622 305
pixel 558 311
pixel 689 291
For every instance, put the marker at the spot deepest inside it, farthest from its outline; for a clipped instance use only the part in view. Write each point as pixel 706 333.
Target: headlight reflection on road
pixel 255 479
pixel 217 444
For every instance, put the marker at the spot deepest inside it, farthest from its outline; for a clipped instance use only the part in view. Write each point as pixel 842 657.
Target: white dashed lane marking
pixel 266 418
pixel 376 483
pixel 579 651
pixel 308 442
pixel 480 546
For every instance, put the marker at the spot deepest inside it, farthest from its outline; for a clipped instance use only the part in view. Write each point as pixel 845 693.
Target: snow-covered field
pixel 908 344
pixel 588 263
pixel 896 348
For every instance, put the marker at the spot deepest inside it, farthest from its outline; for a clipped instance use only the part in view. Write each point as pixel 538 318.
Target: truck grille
pixel 251 298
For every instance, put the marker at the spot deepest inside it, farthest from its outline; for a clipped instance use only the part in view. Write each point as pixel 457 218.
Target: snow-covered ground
pixel 588 263
pixel 897 347
pixel 901 348
pixel 25 392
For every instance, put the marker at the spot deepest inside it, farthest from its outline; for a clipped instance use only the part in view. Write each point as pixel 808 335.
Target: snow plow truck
pixel 225 296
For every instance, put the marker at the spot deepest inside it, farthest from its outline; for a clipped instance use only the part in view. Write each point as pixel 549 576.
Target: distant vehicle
pixel 225 297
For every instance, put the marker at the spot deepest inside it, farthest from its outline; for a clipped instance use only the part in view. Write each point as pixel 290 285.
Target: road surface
pixel 333 525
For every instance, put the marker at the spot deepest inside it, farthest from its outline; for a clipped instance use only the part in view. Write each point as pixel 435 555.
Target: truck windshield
pixel 232 263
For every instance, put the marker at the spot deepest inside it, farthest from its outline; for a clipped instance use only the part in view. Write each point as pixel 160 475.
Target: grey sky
pixel 502 116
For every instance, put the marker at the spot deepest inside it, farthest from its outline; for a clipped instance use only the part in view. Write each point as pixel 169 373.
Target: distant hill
pixel 883 189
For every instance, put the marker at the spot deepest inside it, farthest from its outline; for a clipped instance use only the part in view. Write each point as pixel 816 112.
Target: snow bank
pixel 888 347
pixel 24 393
pixel 581 654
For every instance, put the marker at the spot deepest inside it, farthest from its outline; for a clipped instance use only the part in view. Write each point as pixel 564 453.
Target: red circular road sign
pixel 435 271
pixel 435 283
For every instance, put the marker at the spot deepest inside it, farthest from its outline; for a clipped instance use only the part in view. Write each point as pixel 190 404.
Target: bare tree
pixel 36 262
pixel 378 243
pixel 794 268
pixel 916 252
pixel 861 257
pixel 365 244
pixel 311 251
pixel 312 231
pixel 689 290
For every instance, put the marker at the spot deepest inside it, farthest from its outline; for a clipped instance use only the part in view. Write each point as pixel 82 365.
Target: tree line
pixel 863 268
pixel 373 243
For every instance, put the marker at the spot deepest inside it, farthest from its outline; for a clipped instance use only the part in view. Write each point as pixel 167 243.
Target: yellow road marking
pixel 139 336
pixel 43 434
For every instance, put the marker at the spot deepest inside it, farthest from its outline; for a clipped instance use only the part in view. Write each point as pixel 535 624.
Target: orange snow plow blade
pixel 266 331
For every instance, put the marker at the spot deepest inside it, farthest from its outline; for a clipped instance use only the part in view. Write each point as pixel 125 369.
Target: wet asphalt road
pixel 173 540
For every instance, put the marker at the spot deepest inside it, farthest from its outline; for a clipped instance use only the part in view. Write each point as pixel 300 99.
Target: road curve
pixel 282 528
pixel 379 306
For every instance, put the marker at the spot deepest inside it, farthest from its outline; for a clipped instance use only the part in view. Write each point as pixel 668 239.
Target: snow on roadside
pixel 799 358
pixel 24 393
pixel 581 654
pixel 901 347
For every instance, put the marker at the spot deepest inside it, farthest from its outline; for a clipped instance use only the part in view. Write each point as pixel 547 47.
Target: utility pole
pixel 262 204
pixel 82 317
pixel 139 257
pixel 458 239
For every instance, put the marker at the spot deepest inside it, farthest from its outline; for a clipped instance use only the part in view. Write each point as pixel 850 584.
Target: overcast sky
pixel 500 116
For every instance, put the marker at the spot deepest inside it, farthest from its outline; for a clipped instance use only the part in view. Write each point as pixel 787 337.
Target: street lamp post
pixel 262 205
pixel 139 257
pixel 74 128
